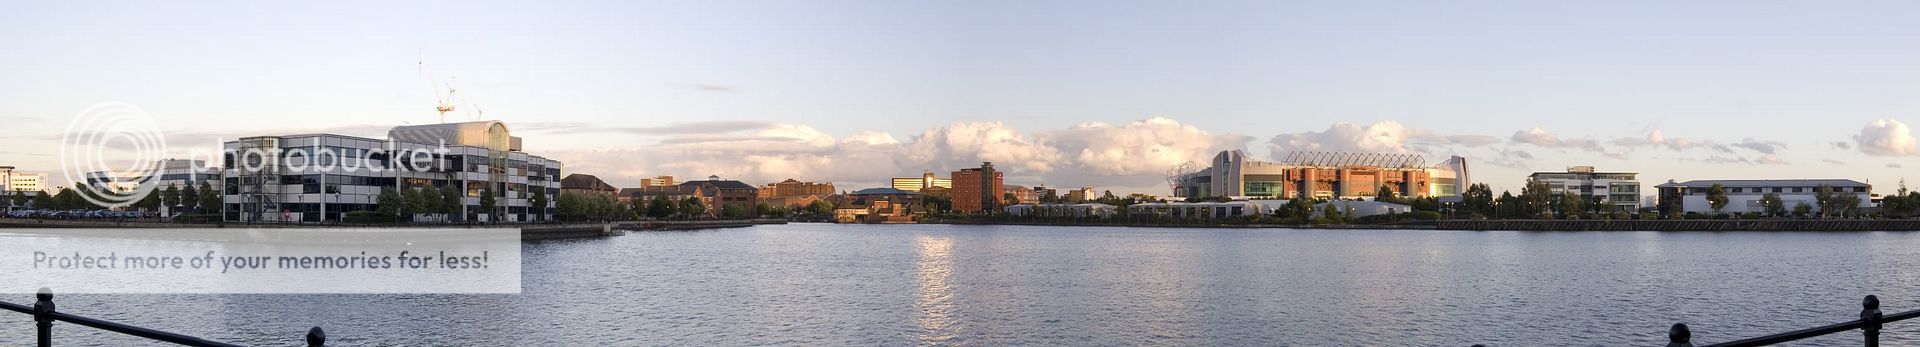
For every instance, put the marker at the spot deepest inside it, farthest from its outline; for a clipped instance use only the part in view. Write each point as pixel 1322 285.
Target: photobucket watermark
pixel 97 136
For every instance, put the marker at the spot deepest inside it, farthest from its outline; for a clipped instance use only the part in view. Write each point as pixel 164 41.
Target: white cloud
pixel 1886 137
pixel 1144 147
pixel 967 144
pixel 1542 138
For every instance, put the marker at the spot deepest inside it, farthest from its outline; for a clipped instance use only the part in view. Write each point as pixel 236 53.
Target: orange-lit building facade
pixel 978 189
pixel 1323 175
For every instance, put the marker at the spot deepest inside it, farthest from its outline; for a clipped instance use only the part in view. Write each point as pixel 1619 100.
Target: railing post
pixel 1679 336
pixel 316 337
pixel 43 316
pixel 1870 321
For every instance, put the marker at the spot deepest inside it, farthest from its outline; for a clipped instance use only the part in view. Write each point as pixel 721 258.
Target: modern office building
pixel 1618 189
pixel 1324 175
pixel 978 189
pixel 171 173
pixel 926 180
pixel 1745 195
pixel 321 177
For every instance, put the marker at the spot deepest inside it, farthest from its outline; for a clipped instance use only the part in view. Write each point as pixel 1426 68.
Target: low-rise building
pixel 1064 210
pixel 795 188
pixel 586 184
pixel 1618 189
pixel 1357 209
pixel 321 177
pixel 1745 196
pixel 1022 195
pixel 718 193
pixel 1205 210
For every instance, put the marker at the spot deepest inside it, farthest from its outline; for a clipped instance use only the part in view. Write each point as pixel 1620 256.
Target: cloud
pixel 1886 137
pixel 1379 137
pixel 1768 159
pixel 688 128
pixel 1473 140
pixel 1841 145
pixel 966 144
pixel 1833 161
pixel 1659 139
pixel 1144 147
pixel 1893 165
pixel 1542 138
pixel 1766 147
pixel 710 87
pixel 1131 154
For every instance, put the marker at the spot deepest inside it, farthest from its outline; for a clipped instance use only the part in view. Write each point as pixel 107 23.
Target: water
pixel 831 285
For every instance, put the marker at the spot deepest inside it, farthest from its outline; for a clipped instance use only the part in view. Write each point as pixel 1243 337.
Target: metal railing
pixel 1869 324
pixel 44 315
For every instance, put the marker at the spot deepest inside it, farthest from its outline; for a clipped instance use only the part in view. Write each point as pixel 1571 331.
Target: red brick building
pixel 978 189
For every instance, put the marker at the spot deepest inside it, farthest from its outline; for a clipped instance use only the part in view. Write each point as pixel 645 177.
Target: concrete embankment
pixel 1683 225
pixel 694 224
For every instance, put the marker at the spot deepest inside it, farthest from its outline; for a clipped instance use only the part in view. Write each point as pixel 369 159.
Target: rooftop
pixel 1768 183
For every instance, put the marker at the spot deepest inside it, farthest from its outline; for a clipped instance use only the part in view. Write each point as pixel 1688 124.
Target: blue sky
pixel 630 89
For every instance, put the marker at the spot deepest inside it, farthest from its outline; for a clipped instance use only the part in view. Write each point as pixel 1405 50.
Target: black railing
pixel 44 315
pixel 1869 325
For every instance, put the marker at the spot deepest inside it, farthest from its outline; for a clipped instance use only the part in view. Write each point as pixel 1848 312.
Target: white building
pixel 1745 195
pixel 16 181
pixel 1619 189
pixel 168 173
pixel 320 177
pixel 1206 210
pixel 1064 210
pixel 1357 209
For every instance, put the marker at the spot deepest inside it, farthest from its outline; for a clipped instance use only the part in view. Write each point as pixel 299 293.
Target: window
pixel 1796 189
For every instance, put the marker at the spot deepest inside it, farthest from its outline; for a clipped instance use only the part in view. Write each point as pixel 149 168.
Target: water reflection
pixel 934 269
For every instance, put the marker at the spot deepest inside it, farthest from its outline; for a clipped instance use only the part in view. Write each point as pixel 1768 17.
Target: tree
pixel 416 202
pixel 692 207
pixel 189 198
pixel 451 201
pixel 1535 198
pixel 1477 199
pixel 1385 194
pixel 1011 199
pixel 1828 201
pixel 734 211
pixel 1802 209
pixel 21 198
pixel 1773 205
pixel 432 201
pixel 537 204
pixel 1570 204
pixel 149 201
pixel 660 208
pixel 210 198
pixel 171 196
pixel 821 208
pixel 1510 206
pixel 389 202
pixel 487 204
pixel 1717 197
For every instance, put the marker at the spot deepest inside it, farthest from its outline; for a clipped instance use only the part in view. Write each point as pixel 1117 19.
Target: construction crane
pixel 443 102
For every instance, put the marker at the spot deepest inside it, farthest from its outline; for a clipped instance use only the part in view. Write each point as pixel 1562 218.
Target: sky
pixel 1109 94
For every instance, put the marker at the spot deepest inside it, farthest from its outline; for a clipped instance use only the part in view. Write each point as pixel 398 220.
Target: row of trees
pixel 189 198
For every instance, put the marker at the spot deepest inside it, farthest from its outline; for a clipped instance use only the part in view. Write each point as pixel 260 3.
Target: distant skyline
pixel 1108 94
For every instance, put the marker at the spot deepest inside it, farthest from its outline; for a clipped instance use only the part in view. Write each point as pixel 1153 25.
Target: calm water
pixel 830 285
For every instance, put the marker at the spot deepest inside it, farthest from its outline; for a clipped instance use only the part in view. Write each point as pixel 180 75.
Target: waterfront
pixel 820 284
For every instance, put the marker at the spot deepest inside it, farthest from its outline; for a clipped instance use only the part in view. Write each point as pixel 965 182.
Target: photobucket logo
pixel 254 159
pixel 107 127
